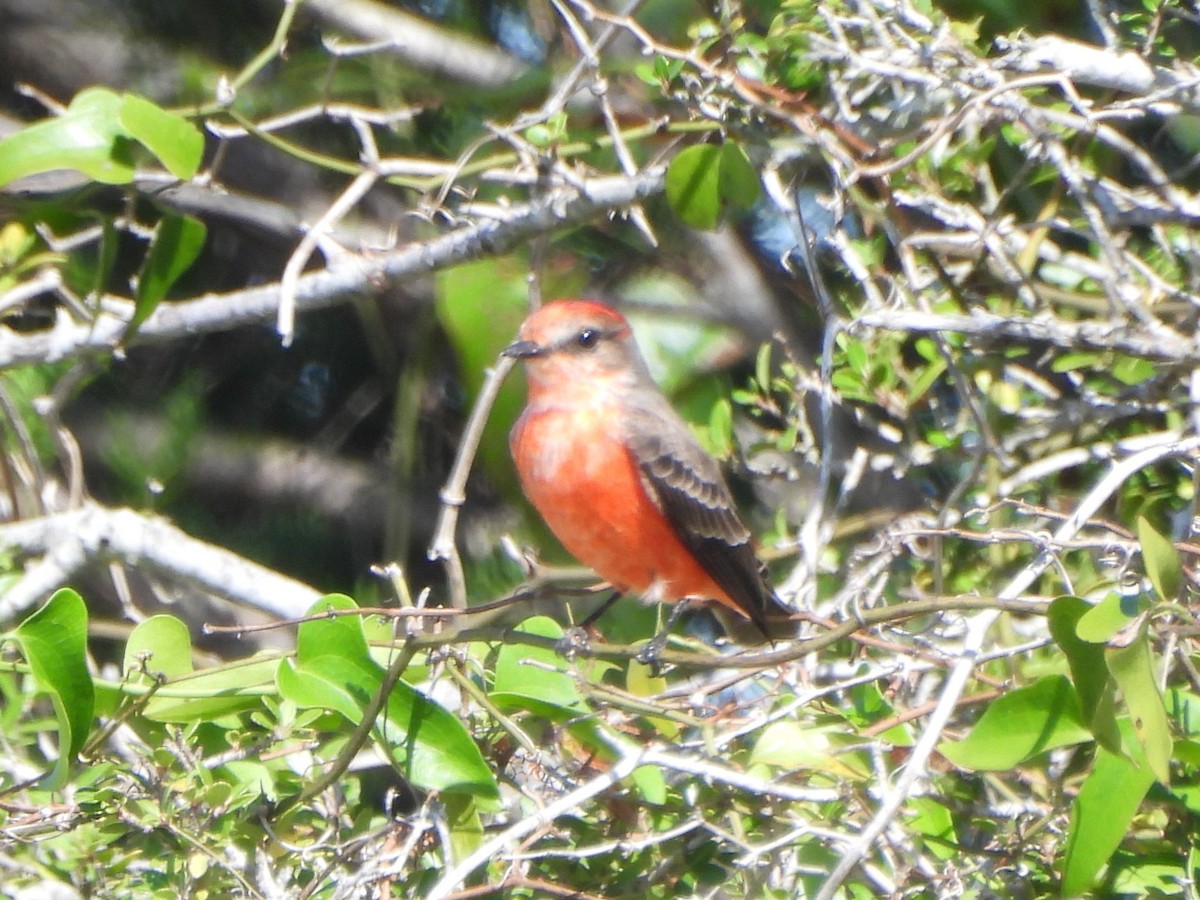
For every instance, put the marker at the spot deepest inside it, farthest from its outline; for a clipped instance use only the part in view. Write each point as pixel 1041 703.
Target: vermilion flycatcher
pixel 618 475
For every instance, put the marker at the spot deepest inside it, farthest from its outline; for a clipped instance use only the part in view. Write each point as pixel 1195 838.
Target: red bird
pixel 618 475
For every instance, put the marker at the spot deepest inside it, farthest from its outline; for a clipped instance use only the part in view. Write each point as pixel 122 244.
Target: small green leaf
pixel 1107 801
pixel 177 242
pixel 54 642
pixel 160 646
pixel 87 137
pixel 1161 560
pixel 1131 370
pixel 94 136
pixel 1132 667
pixel 337 635
pixel 789 746
pixel 334 670
pixel 693 185
pixel 1021 724
pixel 739 178
pixel 762 366
pixel 650 784
pixel 1068 362
pixel 178 144
pixel 705 179
pixel 208 694
pixel 1089 671
pixel 530 677
pixel 932 820
pixel 466 827
pixel 720 429
pixel 1098 624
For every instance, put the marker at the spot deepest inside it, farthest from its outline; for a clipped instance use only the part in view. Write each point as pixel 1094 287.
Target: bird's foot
pixel 650 655
pixel 574 640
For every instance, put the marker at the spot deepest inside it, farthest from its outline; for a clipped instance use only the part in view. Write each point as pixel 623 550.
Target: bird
pixel 618 475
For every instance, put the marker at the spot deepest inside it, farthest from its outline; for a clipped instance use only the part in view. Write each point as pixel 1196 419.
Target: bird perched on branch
pixel 618 475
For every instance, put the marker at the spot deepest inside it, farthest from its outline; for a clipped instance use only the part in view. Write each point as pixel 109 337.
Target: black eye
pixel 587 338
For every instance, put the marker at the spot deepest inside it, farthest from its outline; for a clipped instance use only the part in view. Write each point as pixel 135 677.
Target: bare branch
pixel 419 43
pixel 345 278
pixel 97 533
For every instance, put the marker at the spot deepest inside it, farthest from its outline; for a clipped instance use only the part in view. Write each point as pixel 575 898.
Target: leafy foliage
pixel 933 299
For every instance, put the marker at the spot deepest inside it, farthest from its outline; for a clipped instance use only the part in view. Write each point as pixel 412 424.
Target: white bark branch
pixel 355 274
pixel 419 43
pixel 67 540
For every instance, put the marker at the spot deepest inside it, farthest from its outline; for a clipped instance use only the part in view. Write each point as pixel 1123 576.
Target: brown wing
pixel 688 486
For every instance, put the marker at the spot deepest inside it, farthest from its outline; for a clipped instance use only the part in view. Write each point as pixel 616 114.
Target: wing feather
pixel 689 488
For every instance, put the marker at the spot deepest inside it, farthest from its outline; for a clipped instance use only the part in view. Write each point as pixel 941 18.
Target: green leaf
pixel 1131 371
pixel 1068 362
pixel 1132 667
pixel 466 827
pixel 704 179
pixel 530 678
pixel 1184 710
pixel 54 642
pixel 94 136
pixel 1098 624
pixel 178 144
pixel 694 186
pixel 87 137
pixel 739 179
pixel 1089 670
pixel 1161 560
pixel 789 746
pixel 869 706
pixel 933 821
pixel 1021 724
pixel 720 429
pixel 1100 816
pixel 339 635
pixel 209 694
pixel 650 784
pixel 762 366
pixel 160 645
pixel 333 670
pixel 177 242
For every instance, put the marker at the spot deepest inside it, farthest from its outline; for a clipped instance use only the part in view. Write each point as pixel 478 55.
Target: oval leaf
pixel 739 178
pixel 1089 671
pixel 208 694
pixel 54 642
pixel 1161 560
pixel 160 646
pixel 1099 624
pixel 87 137
pixel 1100 817
pixel 1132 667
pixel 176 142
pixel 334 670
pixel 693 186
pixel 528 677
pixel 177 242
pixel 1021 724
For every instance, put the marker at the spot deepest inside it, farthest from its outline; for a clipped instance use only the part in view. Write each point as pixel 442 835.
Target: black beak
pixel 522 349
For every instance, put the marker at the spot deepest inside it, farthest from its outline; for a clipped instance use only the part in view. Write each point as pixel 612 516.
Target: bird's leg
pixel 600 610
pixel 575 638
pixel 649 654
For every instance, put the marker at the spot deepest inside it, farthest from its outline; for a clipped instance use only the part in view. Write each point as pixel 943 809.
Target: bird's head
pixel 576 341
